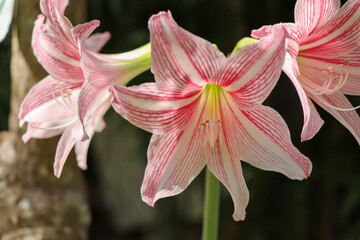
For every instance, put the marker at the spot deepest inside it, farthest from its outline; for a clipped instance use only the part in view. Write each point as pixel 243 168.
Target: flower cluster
pixel 204 109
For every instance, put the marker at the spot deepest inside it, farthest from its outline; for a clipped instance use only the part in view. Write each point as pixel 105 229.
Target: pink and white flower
pixel 73 99
pixel 322 60
pixel 205 109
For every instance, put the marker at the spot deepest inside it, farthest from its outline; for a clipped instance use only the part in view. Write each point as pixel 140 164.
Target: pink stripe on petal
pixel 174 160
pixel 59 57
pixel 90 100
pixel 253 71
pixel 227 168
pixel 154 108
pixel 338 36
pixel 47 98
pixel 179 57
pixel 350 119
pixel 312 119
pixel 81 32
pixel 263 140
pixel 313 13
pixel 60 26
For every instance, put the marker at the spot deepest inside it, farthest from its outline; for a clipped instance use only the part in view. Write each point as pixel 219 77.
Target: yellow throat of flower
pixel 210 126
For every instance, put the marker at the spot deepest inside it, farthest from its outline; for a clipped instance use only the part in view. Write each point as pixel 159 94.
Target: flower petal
pixel 60 26
pixel 350 119
pixel 82 32
pixel 66 143
pixel 179 57
pixel 337 36
pixel 49 100
pixel 261 138
pixel 226 166
pixel 97 41
pixel 57 55
pixel 253 71
pixel 42 130
pixel 81 151
pixel 312 119
pixel 313 13
pixel 174 160
pixel 61 5
pixel 154 108
pixel 91 99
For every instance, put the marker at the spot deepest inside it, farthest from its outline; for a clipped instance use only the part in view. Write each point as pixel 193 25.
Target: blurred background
pixel 324 206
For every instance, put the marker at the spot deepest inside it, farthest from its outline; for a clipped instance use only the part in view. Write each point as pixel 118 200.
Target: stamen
pixel 334 81
pixel 66 97
pixel 53 84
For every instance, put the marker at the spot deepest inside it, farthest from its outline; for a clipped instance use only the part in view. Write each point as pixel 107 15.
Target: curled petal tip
pixel 238 217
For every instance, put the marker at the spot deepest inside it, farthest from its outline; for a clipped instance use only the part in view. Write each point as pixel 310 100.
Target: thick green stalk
pixel 211 207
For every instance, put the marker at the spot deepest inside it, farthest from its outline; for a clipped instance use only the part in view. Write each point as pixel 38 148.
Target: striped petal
pixel 155 108
pixel 337 36
pixel 59 25
pixel 56 54
pixel 350 119
pixel 312 119
pixel 174 160
pixel 253 71
pixel 90 100
pixel 49 100
pixel 225 165
pixel 261 137
pixel 352 85
pixel 179 57
pixel 313 13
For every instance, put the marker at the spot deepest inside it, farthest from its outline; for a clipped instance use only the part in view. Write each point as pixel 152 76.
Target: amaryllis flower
pixel 72 100
pixel 322 60
pixel 205 109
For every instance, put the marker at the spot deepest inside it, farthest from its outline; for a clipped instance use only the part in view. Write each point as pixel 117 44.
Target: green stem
pixel 211 207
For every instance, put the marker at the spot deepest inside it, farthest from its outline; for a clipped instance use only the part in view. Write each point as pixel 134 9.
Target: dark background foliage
pixel 324 206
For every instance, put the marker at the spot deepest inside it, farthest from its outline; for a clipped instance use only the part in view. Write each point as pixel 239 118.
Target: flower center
pixel 210 125
pixel 64 99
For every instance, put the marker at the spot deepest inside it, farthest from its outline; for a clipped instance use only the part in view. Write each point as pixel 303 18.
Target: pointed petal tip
pixel 149 201
pixel 57 173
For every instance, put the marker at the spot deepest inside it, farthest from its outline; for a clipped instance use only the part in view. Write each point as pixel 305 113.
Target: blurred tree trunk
pixel 34 204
